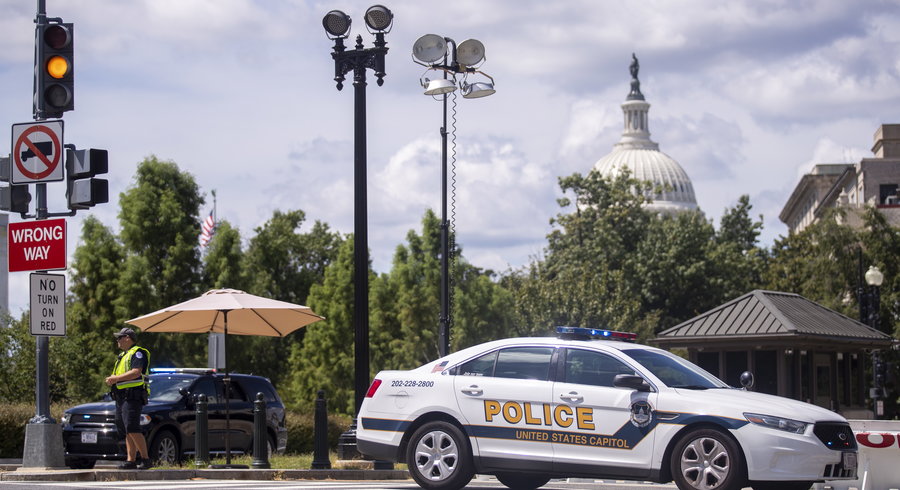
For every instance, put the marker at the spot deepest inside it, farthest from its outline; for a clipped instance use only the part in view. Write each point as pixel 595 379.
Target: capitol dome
pixel 638 153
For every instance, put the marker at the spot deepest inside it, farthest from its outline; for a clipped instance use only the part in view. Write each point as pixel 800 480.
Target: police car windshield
pixel 674 371
pixel 164 387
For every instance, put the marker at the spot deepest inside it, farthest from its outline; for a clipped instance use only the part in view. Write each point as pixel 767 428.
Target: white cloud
pixel 746 95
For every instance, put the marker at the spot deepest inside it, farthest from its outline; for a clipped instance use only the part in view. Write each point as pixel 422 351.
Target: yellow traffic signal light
pixel 55 90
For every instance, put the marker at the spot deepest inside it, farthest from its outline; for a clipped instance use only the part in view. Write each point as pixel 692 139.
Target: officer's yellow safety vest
pixel 123 365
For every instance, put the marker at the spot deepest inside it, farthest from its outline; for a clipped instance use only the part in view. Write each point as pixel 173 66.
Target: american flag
pixel 208 228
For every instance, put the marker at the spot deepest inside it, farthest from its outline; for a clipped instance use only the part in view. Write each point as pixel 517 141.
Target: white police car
pixel 531 409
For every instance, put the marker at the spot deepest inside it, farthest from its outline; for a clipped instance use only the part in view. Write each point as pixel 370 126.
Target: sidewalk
pixel 11 470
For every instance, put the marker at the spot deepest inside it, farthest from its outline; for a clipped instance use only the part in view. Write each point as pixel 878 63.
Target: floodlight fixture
pixel 470 52
pixel 337 24
pixel 477 90
pixel 440 86
pixel 430 48
pixel 379 18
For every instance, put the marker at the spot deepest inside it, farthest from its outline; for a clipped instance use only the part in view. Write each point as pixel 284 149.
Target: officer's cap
pixel 126 332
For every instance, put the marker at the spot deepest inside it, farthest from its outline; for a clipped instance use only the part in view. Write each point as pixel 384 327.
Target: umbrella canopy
pixel 228 311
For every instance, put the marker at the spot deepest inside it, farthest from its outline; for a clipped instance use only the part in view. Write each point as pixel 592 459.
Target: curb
pixel 207 474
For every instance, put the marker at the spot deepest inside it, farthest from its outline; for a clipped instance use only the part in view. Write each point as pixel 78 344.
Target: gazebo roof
pixel 772 318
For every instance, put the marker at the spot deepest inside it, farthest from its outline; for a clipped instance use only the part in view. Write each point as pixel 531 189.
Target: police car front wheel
pixel 438 457
pixel 705 459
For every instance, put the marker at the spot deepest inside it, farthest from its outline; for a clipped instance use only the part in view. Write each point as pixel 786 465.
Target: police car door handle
pixel 473 390
pixel 572 396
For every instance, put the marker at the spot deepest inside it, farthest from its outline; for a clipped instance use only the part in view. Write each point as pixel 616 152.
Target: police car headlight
pixel 145 419
pixel 66 418
pixel 778 423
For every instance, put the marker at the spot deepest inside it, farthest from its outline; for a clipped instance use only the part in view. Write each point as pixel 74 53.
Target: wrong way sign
pixel 37 152
pixel 37 245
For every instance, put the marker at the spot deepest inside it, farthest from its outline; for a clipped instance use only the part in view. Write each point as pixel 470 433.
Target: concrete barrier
pixel 879 457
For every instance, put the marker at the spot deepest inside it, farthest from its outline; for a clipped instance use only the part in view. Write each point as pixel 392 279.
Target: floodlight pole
pixel 358 60
pixel 446 315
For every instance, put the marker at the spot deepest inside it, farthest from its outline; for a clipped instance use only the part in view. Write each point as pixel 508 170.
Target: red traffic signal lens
pixel 57 36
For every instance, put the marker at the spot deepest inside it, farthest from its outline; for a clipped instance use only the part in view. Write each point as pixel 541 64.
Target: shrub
pixel 13 419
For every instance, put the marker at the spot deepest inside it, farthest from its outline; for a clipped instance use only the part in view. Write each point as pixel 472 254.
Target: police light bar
pixel 584 333
pixel 173 370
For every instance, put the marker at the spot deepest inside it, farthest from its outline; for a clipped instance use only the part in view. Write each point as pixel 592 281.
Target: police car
pixel 530 409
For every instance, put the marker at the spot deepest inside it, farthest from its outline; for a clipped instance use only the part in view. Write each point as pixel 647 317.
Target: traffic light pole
pixel 43 436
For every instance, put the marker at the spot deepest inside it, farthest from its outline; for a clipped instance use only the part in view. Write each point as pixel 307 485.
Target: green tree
pixel 222 263
pixel 91 317
pixel 159 227
pixel 325 359
pixel 739 260
pixel 818 263
pixel 671 268
pixel 282 263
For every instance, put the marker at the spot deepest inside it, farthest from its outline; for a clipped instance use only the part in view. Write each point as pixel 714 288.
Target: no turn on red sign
pixel 37 152
pixel 37 245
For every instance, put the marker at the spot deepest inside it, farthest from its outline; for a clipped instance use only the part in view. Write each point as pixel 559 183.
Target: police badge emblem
pixel 641 413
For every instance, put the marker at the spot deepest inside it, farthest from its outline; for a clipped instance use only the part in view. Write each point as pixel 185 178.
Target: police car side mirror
pixel 747 380
pixel 631 381
pixel 188 399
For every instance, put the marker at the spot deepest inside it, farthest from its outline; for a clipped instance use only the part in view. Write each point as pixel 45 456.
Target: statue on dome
pixel 635 93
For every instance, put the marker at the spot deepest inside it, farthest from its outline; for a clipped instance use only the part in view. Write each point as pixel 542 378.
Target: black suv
pixel 168 420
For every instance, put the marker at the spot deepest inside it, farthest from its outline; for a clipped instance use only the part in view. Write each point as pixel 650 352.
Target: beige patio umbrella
pixel 228 311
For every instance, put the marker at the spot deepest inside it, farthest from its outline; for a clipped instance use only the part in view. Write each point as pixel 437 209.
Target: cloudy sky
pixel 746 95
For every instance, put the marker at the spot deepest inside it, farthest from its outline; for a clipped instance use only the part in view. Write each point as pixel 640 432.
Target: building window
pixel 887 194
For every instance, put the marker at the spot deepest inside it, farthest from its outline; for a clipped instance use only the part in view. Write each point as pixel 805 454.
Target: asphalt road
pixel 481 483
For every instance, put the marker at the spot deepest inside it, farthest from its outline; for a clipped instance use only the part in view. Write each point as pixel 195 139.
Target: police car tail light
pixel 584 333
pixel 373 388
pixel 779 423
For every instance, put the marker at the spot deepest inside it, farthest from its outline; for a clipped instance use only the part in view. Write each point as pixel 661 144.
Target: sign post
pixel 48 304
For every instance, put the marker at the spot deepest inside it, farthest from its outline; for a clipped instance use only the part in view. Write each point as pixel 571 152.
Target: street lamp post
pixel 442 54
pixel 869 304
pixel 337 25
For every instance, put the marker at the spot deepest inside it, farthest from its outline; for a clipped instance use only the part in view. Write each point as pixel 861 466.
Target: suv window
pixel 252 386
pixel 235 391
pixel 205 386
pixel 593 368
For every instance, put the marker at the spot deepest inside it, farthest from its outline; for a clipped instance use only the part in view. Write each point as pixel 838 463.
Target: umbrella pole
pixel 227 381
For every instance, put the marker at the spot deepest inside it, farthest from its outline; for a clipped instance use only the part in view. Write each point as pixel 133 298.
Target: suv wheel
pixel 164 449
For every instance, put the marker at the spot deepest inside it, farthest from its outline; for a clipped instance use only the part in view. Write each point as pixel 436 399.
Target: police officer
pixel 129 388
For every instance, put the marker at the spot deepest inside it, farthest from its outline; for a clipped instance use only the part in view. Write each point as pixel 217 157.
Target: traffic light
pixel 13 198
pixel 83 190
pixel 54 70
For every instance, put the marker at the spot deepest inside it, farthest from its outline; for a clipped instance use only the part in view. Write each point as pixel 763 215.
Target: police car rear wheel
pixel 707 459
pixel 438 457
pixel 519 481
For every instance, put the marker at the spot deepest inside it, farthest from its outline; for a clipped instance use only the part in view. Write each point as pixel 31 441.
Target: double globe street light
pixel 441 54
pixel 379 20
